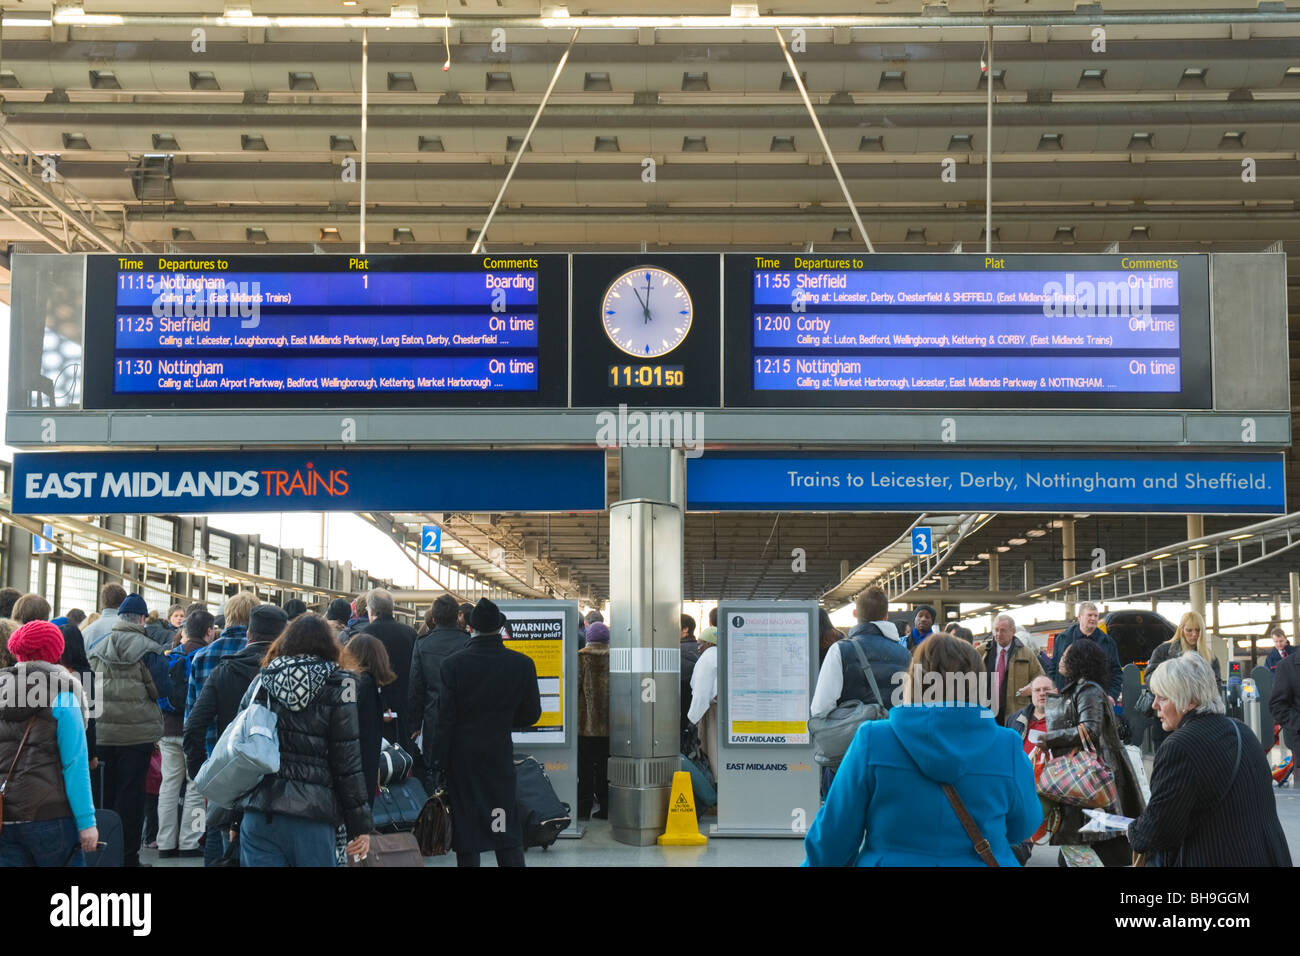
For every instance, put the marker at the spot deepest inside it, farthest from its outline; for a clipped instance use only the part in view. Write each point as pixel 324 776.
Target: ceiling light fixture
pixel 1035 533
pixel 1161 557
pixel 1017 541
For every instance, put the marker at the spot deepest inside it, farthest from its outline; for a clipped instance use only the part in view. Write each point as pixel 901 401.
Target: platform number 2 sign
pixel 431 539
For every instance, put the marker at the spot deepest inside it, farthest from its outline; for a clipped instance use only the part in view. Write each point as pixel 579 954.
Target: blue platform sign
pixel 922 541
pixel 212 482
pixel 1114 483
pixel 431 539
pixel 43 543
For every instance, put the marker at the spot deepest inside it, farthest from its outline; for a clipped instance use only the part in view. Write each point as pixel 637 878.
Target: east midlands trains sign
pixel 212 482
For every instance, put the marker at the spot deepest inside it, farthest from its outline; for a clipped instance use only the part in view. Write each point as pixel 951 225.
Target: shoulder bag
pixel 248 750
pixel 433 826
pixel 18 753
pixel 832 734
pixel 1079 779
pixel 968 824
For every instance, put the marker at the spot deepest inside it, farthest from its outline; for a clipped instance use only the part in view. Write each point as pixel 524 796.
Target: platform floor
pixel 597 848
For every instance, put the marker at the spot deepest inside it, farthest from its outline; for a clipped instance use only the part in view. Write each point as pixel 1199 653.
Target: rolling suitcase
pixel 540 811
pixel 110 834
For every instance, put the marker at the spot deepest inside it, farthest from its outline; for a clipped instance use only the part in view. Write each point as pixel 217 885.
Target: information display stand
pixel 767 670
pixel 547 633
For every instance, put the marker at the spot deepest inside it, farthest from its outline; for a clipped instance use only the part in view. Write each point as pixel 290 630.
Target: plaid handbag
pixel 1079 779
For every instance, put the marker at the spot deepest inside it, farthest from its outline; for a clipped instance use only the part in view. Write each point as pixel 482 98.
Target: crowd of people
pixel 124 689
pixel 1210 792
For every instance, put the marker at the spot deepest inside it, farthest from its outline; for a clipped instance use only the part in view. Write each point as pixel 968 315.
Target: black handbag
pixel 398 807
pixel 433 827
pixel 394 764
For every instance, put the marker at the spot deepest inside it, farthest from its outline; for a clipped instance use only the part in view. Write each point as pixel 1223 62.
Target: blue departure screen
pixel 345 326
pixel 825 325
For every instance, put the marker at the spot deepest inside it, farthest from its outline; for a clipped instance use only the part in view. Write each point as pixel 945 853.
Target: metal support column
pixel 1294 578
pixel 1220 646
pixel 1067 560
pixel 1196 567
pixel 645 603
pixel 988 155
pixel 365 127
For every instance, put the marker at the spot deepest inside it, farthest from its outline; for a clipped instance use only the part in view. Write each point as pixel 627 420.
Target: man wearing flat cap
pixel 487 691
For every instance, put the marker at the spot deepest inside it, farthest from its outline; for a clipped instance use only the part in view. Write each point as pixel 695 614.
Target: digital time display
pixel 647 376
pixel 320 330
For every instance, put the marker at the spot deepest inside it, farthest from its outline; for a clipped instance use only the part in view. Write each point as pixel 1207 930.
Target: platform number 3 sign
pixel 922 543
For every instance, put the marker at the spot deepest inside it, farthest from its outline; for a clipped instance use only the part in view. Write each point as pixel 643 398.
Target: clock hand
pixel 645 308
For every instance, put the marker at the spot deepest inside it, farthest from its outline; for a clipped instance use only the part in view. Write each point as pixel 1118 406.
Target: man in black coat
pixel 487 691
pixel 426 673
pixel 1284 702
pixel 399 640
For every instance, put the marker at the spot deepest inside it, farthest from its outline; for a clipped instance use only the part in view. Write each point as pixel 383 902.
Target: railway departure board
pixel 967 331
pixel 307 331
pixel 599 330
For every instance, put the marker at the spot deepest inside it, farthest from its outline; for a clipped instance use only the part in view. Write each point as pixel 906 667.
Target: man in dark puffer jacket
pixel 289 818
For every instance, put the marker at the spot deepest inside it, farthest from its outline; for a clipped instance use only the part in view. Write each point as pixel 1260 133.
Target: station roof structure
pixel 193 126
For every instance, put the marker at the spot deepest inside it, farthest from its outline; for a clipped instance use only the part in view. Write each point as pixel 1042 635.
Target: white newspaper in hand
pixel 1101 822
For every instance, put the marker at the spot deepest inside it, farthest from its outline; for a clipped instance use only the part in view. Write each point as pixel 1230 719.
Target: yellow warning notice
pixel 539 636
pixel 769 727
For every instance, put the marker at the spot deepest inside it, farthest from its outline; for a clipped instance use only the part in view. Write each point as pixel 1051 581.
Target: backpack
pixel 178 669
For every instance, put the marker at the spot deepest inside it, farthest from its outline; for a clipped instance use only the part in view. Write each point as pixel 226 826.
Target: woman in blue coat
pixel 887 806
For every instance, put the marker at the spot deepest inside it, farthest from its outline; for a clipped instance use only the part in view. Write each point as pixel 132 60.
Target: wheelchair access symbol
pixel 922 542
pixel 431 539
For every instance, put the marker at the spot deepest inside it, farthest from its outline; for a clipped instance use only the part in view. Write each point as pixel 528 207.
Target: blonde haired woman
pixel 1189 636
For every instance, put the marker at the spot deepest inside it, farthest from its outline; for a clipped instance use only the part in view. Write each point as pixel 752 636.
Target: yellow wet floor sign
pixel 683 826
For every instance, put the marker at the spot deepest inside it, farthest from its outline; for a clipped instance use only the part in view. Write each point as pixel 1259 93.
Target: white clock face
pixel 647 312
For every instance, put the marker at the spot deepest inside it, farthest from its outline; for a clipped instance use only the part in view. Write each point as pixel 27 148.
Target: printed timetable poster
pixel 539 636
pixel 767 677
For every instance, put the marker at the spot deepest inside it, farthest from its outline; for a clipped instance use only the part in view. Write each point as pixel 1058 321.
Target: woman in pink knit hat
pixel 48 817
